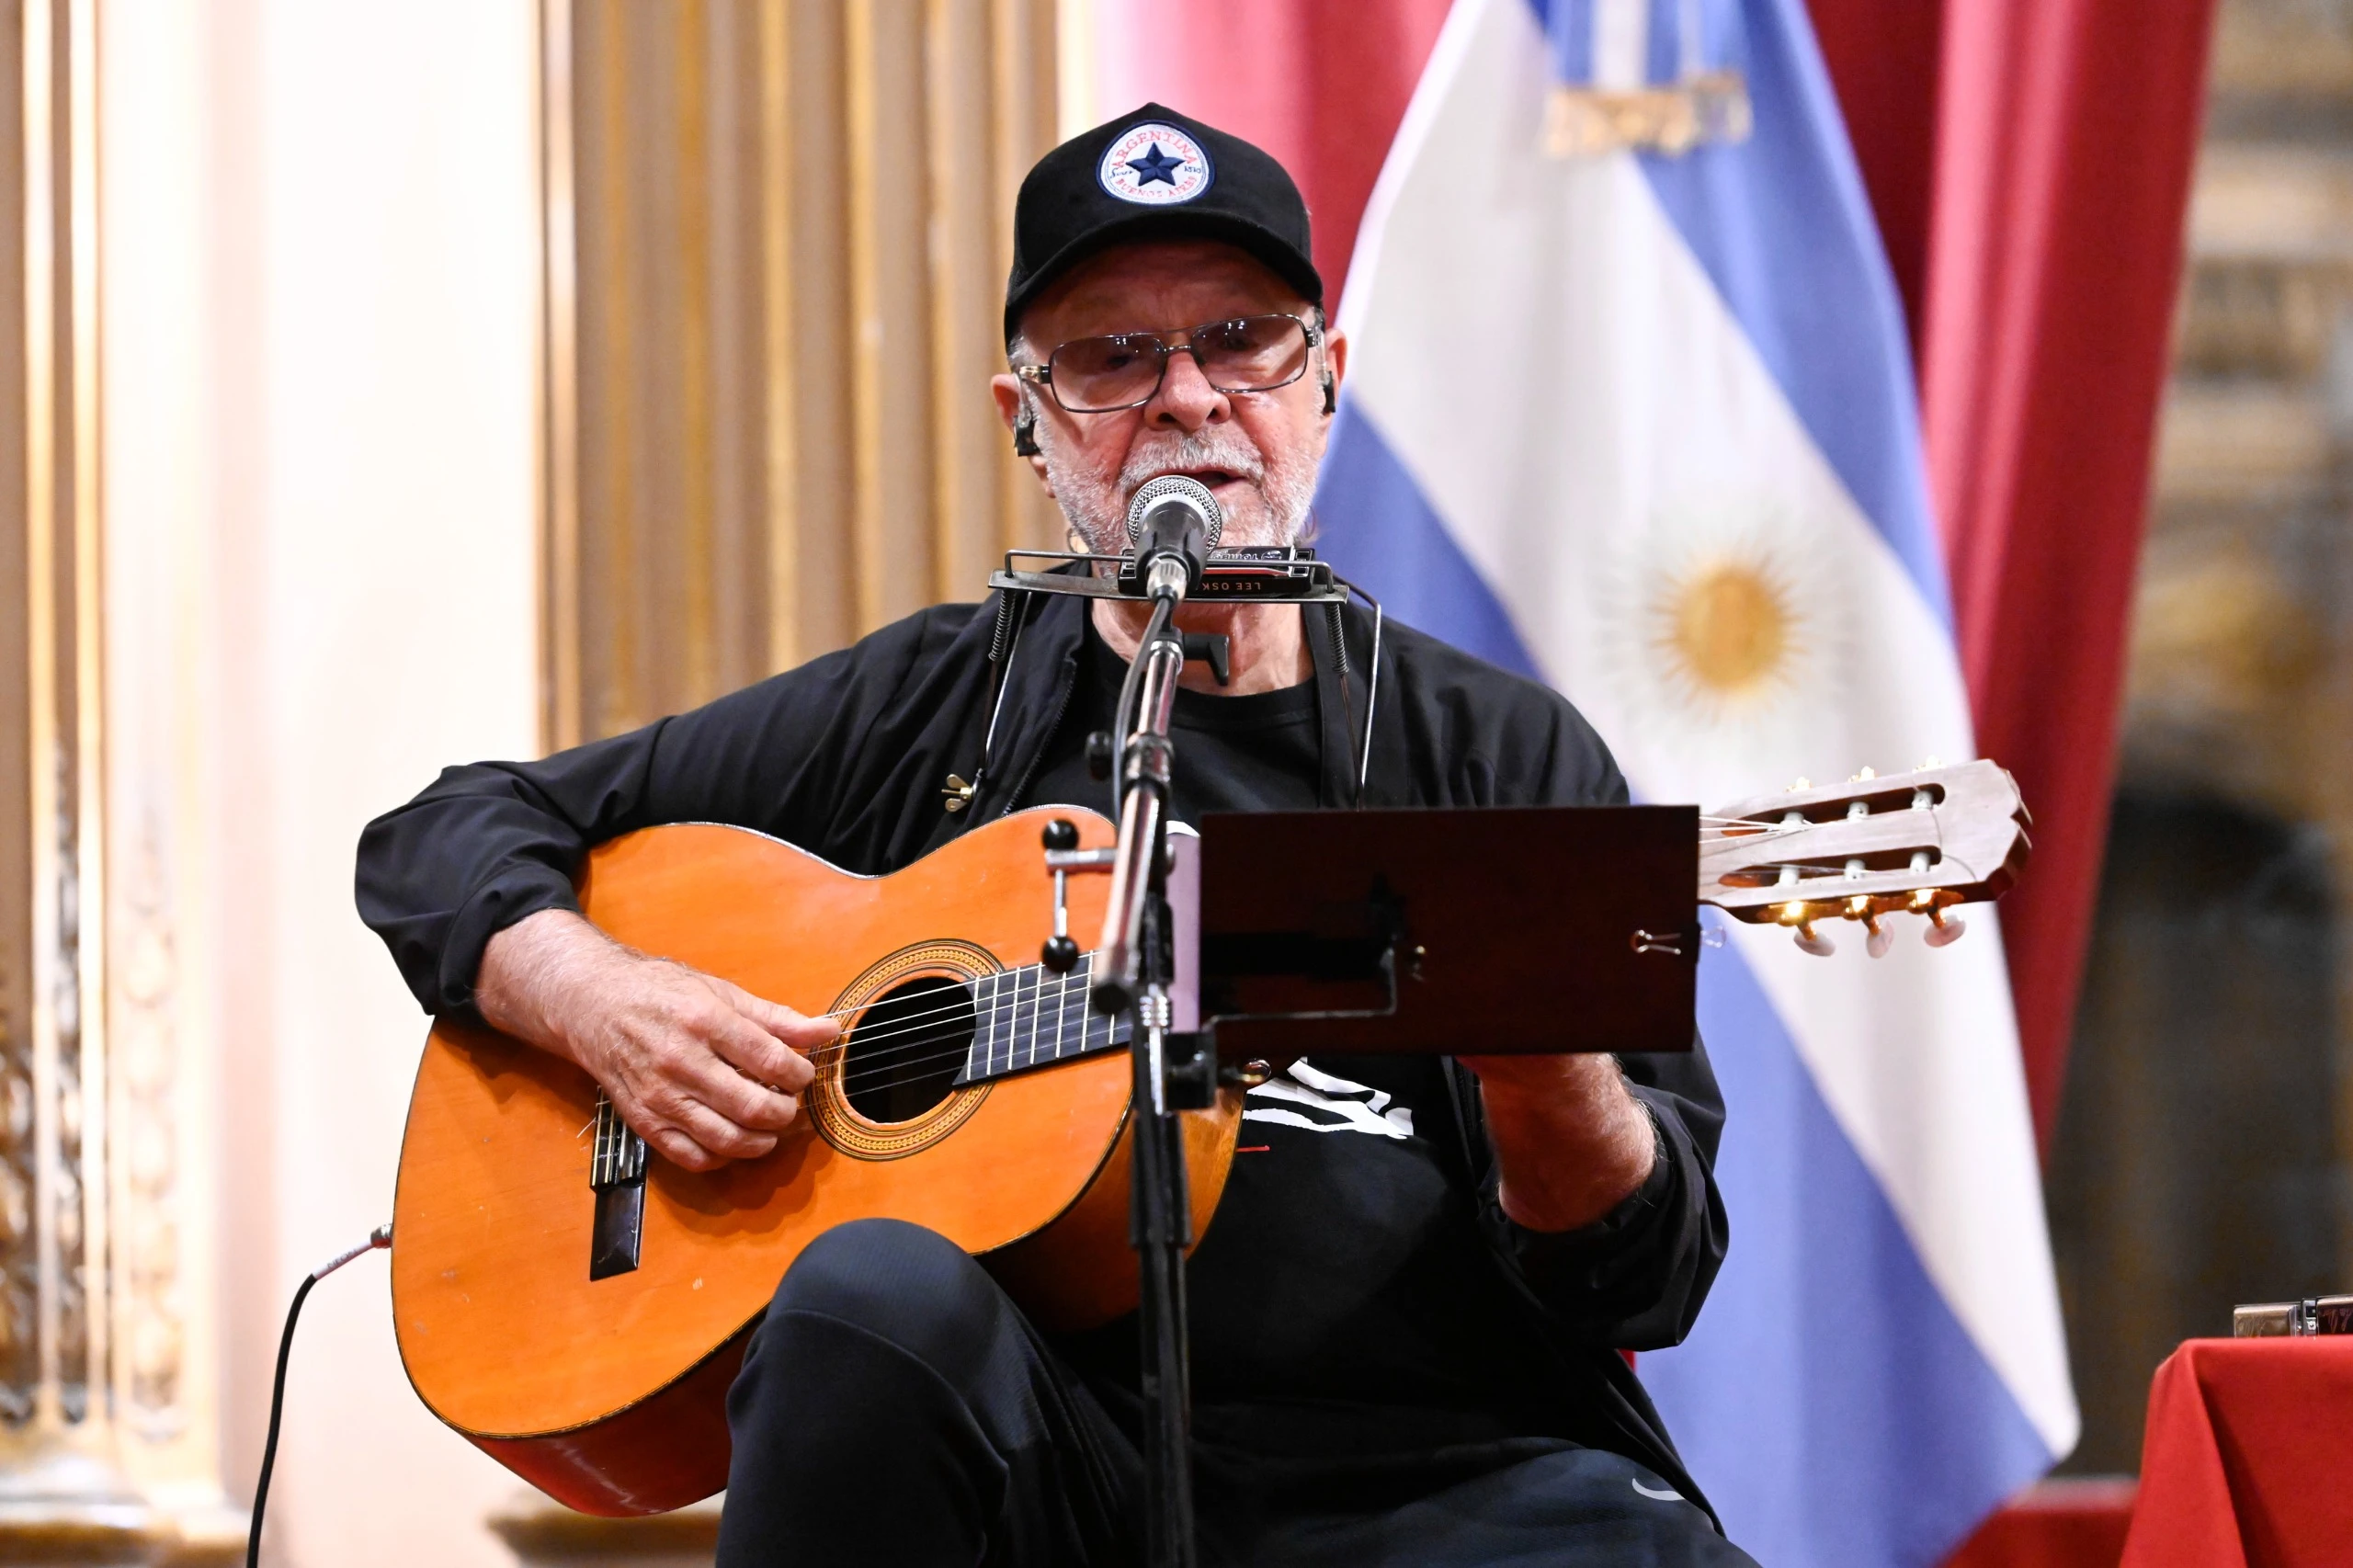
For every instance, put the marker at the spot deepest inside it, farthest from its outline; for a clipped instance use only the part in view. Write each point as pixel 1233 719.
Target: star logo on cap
pixel 1156 164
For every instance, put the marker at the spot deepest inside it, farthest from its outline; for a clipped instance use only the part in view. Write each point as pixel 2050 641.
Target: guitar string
pixel 926 1020
pixel 893 1061
pixel 889 1061
pixel 970 1003
pixel 870 1068
pixel 1085 959
pixel 1764 829
pixel 868 1071
pixel 1024 970
pixel 903 1022
pixel 911 1023
pixel 992 974
pixel 872 1064
pixel 1035 1018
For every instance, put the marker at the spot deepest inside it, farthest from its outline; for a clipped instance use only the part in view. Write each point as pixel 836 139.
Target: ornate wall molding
pixel 108 1443
pixel 64 1150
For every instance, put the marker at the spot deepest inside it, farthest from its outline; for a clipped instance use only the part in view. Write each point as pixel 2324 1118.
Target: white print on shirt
pixel 1333 1105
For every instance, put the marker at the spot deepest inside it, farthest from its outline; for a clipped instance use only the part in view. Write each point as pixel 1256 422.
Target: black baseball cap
pixel 1153 175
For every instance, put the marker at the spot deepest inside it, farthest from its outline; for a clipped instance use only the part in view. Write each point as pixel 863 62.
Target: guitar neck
pixel 1030 1017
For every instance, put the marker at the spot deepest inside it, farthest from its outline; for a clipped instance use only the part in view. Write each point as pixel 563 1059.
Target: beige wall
pixel 320 303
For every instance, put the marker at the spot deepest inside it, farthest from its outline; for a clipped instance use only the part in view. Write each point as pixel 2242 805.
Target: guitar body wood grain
pixel 609 1394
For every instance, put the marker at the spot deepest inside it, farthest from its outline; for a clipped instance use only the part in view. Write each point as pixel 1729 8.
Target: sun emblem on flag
pixel 1724 629
pixel 1722 616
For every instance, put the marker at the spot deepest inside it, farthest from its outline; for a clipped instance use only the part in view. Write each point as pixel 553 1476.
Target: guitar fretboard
pixel 1030 1017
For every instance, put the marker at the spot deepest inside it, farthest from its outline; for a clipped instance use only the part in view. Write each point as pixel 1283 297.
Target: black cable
pixel 382 1236
pixel 277 1409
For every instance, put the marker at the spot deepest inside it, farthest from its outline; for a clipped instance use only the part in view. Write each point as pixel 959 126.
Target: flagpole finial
pixel 1586 122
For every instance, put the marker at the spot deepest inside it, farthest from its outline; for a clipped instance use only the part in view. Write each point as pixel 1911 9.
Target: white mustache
pixel 1215 446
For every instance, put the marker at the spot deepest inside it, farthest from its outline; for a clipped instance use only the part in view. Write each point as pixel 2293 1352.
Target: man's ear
pixel 1336 369
pixel 1019 412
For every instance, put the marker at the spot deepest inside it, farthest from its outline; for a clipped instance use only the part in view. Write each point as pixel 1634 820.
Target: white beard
pixel 1274 510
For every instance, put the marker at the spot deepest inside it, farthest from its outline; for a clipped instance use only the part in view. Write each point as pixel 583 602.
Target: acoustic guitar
pixel 577 1308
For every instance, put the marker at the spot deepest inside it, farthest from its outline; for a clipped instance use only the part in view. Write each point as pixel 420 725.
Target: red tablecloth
pixel 2074 1522
pixel 2245 1461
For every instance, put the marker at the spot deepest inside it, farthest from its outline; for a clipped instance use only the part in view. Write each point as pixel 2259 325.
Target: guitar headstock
pixel 1906 842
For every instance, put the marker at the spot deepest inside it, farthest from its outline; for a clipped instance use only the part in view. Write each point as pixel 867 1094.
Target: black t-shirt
pixel 1257 753
pixel 1345 1307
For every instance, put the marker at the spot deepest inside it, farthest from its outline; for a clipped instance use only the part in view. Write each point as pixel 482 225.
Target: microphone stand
pixel 1135 965
pixel 1173 522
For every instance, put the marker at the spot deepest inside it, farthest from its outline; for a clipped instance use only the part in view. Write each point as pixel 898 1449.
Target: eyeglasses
pixel 1100 375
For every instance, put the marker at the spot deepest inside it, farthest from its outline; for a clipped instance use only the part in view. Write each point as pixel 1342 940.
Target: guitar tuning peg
pixel 1931 761
pixel 1865 775
pixel 1799 917
pixel 1802 784
pixel 1944 930
pixel 1860 908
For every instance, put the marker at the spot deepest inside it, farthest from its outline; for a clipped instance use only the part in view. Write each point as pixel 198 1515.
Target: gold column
pixel 55 1073
pixel 778 232
pixel 559 411
pixel 106 1447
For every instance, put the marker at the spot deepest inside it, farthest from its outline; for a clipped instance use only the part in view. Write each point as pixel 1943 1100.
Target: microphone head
pixel 1177 490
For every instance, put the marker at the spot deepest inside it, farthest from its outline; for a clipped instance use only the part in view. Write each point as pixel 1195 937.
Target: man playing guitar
pixel 1406 1318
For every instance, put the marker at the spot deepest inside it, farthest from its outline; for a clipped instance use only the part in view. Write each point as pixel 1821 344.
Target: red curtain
pixel 1320 84
pixel 2029 161
pixel 2066 132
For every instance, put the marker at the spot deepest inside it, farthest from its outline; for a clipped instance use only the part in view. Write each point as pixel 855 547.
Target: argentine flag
pixel 1640 424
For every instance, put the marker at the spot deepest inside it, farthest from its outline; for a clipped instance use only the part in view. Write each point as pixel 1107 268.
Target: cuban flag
pixel 1630 410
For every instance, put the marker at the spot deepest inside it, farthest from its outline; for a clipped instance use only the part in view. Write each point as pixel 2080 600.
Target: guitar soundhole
pixel 903 1055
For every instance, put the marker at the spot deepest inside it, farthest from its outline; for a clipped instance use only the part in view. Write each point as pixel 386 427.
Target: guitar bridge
pixel 617 1173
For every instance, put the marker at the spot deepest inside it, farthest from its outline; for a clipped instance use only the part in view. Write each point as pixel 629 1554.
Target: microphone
pixel 1174 523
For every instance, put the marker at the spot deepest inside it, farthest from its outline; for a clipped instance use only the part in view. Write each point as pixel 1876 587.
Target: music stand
pixel 1541 929
pixel 1277 934
pixel 1453 931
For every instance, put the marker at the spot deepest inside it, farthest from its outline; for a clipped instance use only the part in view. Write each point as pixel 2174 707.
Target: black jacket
pixel 849 756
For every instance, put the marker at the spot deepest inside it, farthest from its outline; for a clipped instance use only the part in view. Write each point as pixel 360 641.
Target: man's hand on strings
pixel 701 1069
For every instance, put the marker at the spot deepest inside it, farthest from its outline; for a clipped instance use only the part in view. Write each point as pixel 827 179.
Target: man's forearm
pixel 1572 1142
pixel 704 1071
pixel 531 966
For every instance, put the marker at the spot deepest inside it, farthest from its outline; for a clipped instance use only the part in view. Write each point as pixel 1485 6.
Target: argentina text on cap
pixel 1155 165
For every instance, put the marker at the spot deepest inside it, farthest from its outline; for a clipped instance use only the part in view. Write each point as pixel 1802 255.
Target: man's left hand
pixel 1571 1140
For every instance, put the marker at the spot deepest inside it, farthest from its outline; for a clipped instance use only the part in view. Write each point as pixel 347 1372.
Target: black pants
pixel 896 1408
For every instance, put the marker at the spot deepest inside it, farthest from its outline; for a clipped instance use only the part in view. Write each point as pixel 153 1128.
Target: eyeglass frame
pixel 1042 374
